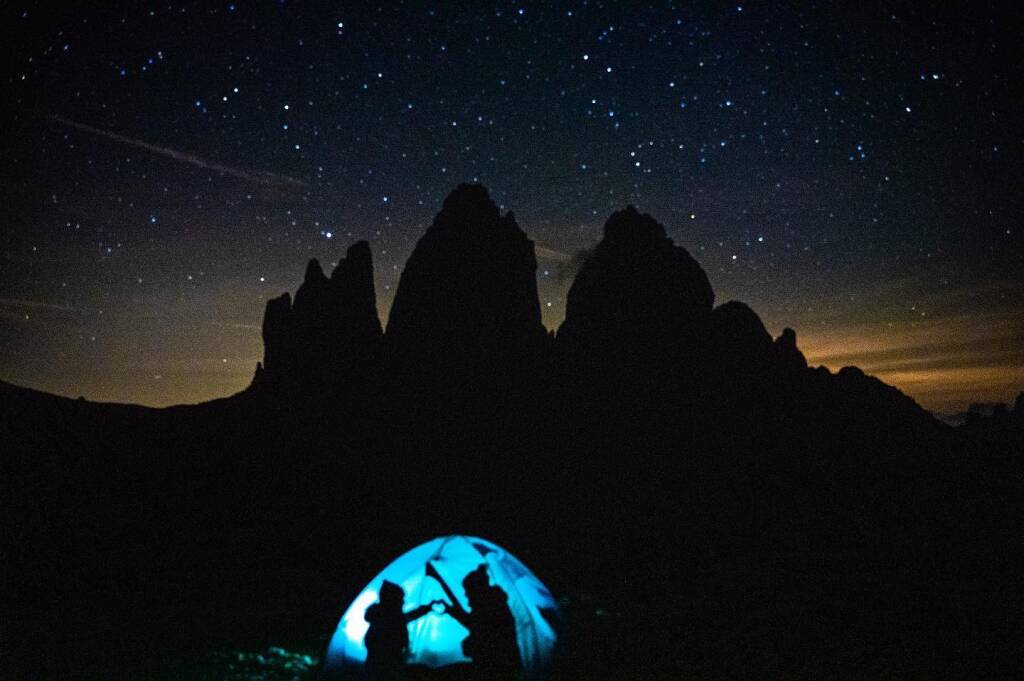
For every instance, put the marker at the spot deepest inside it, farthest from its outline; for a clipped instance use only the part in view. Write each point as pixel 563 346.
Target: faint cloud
pixel 569 268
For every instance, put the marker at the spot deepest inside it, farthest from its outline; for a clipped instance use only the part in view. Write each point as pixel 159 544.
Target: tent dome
pixel 437 628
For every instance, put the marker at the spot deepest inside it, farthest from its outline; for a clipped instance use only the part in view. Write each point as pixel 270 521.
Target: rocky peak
pixel 637 290
pixel 469 288
pixel 356 299
pixel 629 229
pixel 331 329
pixel 788 354
pixel 314 273
pixel 467 207
pixel 738 339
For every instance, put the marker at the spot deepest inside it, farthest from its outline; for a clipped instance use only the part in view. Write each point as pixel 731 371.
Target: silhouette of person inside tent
pixel 491 643
pixel 387 639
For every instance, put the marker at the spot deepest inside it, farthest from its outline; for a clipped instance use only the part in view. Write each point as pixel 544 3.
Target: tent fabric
pixel 435 639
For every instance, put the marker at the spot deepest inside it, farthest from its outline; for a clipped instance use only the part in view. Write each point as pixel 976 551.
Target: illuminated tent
pixel 435 639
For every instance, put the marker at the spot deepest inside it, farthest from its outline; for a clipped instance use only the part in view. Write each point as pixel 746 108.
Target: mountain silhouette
pixel 708 504
pixel 330 335
pixel 474 270
pixel 466 304
pixel 636 293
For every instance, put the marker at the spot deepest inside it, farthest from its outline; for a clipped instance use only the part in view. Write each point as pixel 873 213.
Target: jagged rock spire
pixel 330 333
pixel 469 291
pixel 788 354
pixel 638 290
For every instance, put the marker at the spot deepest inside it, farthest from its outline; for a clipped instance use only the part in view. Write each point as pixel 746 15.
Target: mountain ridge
pixel 639 306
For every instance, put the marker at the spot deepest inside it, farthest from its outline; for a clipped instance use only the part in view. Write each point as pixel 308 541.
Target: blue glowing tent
pixel 435 639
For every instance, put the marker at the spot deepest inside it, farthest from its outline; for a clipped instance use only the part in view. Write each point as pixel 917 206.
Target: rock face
pixel 637 293
pixel 330 333
pixel 738 341
pixel 277 339
pixel 740 345
pixel 468 293
pixel 787 353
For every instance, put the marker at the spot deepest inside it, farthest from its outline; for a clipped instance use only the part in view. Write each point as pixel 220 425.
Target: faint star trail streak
pixel 257 176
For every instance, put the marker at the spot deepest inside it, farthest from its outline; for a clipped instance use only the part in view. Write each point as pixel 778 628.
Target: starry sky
pixel 852 170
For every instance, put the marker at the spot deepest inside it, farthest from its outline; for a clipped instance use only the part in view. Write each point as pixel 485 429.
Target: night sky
pixel 851 170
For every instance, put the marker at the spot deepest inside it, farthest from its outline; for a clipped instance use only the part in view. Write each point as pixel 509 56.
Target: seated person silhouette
pixel 387 639
pixel 491 643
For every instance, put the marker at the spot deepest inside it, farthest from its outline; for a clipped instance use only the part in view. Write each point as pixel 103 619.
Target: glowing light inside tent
pixel 355 627
pixel 435 639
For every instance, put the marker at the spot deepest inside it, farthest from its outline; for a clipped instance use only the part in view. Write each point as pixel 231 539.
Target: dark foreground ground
pixel 225 541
